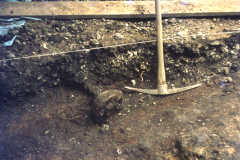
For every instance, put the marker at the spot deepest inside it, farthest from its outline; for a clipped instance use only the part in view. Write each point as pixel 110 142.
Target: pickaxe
pixel 162 88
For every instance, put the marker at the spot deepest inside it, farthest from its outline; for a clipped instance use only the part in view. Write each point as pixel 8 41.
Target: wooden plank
pixel 118 9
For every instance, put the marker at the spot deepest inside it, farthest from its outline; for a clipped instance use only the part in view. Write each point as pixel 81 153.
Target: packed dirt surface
pixel 73 105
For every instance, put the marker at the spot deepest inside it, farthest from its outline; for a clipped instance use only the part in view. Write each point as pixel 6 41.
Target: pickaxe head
pixel 163 89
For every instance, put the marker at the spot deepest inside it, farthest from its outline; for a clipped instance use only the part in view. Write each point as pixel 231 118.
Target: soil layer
pixel 48 102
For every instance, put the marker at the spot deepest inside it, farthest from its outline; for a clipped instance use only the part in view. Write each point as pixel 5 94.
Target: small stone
pixel 226 70
pixel 11 55
pixel 229 64
pixel 172 20
pixel 46 132
pixel 224 49
pixel 165 21
pixel 234 67
pixel 119 151
pixel 118 36
pixel 74 28
pixel 237 46
pixel 227 79
pixel 44 45
pixel 143 66
pixel 63 29
pixel 104 128
pixel 133 82
pixel 57 29
pixel 233 52
pixel 216 57
pixel 17 41
pixel 235 57
pixel 94 42
pixel 215 43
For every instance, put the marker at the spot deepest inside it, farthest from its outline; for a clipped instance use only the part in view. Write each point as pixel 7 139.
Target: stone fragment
pixel 237 46
pixel 226 70
pixel 165 21
pixel 11 55
pixel 94 42
pixel 17 41
pixel 224 49
pixel 215 43
pixel 233 52
pixel 216 57
pixel 172 20
pixel 234 67
pixel 57 29
pixel 143 66
pixel 133 82
pixel 227 79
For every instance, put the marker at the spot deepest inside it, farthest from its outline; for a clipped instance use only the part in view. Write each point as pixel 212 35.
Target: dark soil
pixel 48 102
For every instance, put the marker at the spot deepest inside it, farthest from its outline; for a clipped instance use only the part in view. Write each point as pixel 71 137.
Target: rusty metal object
pixel 162 88
pixel 106 104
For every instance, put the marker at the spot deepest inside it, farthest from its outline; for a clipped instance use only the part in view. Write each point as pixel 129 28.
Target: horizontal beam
pixel 118 9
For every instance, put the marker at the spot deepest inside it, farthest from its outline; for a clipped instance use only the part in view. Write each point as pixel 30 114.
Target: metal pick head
pixel 163 90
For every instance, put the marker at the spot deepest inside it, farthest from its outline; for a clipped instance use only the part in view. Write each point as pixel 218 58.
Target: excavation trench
pixel 48 102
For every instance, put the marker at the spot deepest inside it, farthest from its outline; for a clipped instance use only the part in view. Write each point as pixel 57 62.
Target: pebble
pixel 234 67
pixel 237 46
pixel 133 82
pixel 226 70
pixel 227 79
pixel 11 55
pixel 17 41
pixel 172 20
pixel 94 42
pixel 215 43
pixel 233 52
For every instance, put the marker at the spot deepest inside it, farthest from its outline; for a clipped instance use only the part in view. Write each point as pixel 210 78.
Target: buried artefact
pixel 106 104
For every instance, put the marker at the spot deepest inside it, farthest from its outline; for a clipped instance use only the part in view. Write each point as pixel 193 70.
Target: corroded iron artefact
pixel 106 104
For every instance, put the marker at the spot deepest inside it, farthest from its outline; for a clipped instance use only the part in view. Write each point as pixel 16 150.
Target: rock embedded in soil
pixel 106 104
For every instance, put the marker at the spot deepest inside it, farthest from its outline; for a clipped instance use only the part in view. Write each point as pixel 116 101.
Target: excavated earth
pixel 50 102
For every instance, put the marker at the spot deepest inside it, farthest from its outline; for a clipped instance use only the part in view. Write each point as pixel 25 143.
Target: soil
pixel 49 101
